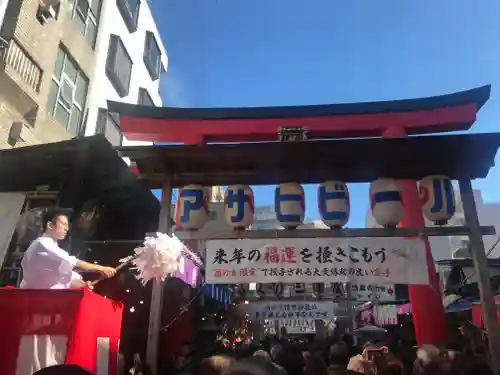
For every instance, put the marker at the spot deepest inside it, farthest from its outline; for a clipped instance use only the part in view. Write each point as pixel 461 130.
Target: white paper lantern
pixel 333 203
pixel 192 207
pixel 438 198
pixel 386 202
pixel 239 206
pixel 289 204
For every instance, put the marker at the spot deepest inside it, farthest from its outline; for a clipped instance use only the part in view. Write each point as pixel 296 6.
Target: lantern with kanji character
pixel 333 203
pixel 191 210
pixel 289 204
pixel 437 198
pixel 239 206
pixel 386 202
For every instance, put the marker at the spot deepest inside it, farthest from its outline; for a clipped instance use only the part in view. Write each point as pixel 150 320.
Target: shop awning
pixel 90 167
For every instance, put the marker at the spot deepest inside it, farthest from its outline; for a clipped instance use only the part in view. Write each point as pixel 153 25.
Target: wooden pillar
pixel 156 306
pixel 478 255
pixel 351 312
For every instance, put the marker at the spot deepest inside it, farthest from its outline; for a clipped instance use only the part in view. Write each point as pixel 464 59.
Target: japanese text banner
pixel 298 326
pixel 291 310
pixel 317 260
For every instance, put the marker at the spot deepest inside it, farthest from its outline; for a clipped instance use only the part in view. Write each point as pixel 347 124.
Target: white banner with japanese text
pixel 290 310
pixel 317 260
pixel 368 292
pixel 298 326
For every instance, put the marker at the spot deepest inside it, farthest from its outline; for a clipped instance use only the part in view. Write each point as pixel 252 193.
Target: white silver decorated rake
pixel 157 258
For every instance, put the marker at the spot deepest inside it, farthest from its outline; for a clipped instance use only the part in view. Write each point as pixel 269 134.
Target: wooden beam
pixel 156 306
pixel 478 255
pixel 334 233
pixel 314 233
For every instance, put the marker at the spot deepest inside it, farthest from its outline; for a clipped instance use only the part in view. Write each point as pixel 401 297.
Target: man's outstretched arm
pixel 83 266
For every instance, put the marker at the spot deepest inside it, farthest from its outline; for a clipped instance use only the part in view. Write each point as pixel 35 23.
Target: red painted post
pixel 427 306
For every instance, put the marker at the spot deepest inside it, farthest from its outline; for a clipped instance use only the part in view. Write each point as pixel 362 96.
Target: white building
pixel 265 218
pixel 130 61
pixel 456 247
pixel 3 8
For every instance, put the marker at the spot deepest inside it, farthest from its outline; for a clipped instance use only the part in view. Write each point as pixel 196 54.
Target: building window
pixel 152 56
pixel 108 125
pixel 129 10
pixel 85 16
pixel 68 92
pixel 145 98
pixel 119 66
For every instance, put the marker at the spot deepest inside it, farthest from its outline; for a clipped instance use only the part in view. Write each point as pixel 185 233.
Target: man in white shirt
pixel 47 266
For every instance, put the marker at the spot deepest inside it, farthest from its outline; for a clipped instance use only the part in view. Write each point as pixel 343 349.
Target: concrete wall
pixel 37 45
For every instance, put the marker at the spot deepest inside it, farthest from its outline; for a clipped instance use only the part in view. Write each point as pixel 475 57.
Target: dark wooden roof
pixel 479 96
pixel 91 162
pixel 350 160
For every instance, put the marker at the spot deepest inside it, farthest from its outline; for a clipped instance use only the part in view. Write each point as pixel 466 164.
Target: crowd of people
pixel 334 357
pixel 47 266
pixel 296 357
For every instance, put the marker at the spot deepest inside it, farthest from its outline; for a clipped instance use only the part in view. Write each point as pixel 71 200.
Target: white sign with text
pixel 291 310
pixel 317 260
pixel 298 326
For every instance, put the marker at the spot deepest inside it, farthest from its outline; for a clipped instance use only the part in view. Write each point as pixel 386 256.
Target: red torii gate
pixel 386 119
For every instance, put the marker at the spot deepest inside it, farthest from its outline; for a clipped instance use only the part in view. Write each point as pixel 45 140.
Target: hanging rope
pixel 184 309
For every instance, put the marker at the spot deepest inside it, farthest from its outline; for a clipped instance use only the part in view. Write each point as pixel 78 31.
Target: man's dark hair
pixel 339 354
pixel 291 359
pixel 348 339
pixel 63 370
pixel 52 214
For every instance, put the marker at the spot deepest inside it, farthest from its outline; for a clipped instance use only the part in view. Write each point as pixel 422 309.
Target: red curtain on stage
pixel 39 328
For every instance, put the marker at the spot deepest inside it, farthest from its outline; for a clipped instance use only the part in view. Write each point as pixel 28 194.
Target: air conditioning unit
pixel 49 10
pixel 20 132
pixel 54 3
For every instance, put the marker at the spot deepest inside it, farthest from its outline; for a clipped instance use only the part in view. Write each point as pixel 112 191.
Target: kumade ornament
pixel 157 258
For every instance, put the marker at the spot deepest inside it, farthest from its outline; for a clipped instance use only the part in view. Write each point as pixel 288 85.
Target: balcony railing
pixel 14 57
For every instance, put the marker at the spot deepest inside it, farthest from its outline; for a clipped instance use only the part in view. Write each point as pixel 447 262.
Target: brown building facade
pixel 47 55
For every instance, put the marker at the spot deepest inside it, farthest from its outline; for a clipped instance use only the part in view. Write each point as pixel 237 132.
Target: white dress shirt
pixel 47 266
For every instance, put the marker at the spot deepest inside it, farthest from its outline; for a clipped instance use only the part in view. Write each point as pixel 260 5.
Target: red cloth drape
pixel 477 313
pixel 88 320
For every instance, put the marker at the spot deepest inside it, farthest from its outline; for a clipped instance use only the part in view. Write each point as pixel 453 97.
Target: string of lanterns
pixel 436 195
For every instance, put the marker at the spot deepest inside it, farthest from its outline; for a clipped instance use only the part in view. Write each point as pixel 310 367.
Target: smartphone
pixel 372 353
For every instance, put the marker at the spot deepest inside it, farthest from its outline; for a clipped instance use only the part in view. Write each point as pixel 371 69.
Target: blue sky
pixel 298 52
